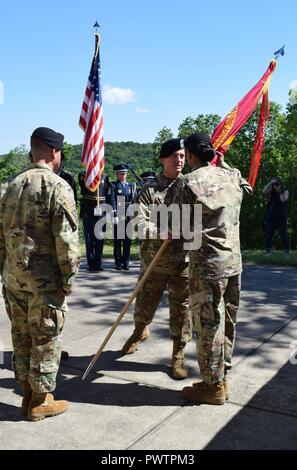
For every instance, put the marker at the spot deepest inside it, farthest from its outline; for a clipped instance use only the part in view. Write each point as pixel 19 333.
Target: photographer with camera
pixel 275 214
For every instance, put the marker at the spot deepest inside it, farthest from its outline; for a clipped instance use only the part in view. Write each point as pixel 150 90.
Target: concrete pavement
pixel 132 402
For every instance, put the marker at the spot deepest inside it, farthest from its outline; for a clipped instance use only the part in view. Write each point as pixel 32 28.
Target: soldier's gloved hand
pixel 114 218
pixel 97 211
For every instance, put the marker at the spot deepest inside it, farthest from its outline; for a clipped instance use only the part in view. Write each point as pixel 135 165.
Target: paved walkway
pixel 132 402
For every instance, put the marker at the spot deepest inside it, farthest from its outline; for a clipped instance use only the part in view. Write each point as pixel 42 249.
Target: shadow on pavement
pixel 267 421
pixel 71 387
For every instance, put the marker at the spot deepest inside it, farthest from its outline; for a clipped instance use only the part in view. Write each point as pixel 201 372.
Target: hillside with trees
pixel 141 156
pixel 279 159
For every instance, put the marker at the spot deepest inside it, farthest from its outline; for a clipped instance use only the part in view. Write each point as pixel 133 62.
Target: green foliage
pixel 13 163
pixel 67 152
pixel 164 134
pixel 141 156
pixel 279 159
pixel 202 123
pixel 277 258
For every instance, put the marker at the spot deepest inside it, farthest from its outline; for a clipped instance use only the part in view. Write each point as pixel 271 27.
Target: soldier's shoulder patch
pixel 69 207
pixel 69 203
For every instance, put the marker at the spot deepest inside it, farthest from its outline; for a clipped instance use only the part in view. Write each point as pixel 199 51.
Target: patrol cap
pixel 49 137
pixel 148 174
pixel 122 168
pixel 200 145
pixel 171 146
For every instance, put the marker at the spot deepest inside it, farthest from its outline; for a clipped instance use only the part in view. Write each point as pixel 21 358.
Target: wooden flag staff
pixel 138 286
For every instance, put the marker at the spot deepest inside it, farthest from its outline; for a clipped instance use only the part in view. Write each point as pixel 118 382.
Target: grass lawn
pixel 108 251
pixel 277 258
pixel 249 256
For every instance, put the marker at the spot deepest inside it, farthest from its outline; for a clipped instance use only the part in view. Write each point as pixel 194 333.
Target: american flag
pixel 91 121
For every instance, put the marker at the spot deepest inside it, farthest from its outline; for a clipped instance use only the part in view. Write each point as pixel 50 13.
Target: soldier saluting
pixel 122 195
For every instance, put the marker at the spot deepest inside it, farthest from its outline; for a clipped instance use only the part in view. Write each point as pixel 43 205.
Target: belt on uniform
pixel 93 198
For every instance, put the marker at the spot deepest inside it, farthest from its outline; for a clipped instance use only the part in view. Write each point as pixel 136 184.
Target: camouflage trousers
pixel 148 299
pixel 214 306
pixel 37 321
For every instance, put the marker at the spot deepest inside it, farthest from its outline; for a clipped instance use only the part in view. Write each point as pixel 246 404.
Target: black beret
pixel 200 145
pixel 171 146
pixel 49 137
pixel 122 168
pixel 148 174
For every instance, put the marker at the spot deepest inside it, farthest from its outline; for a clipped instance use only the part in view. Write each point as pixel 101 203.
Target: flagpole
pixel 97 26
pixel 137 288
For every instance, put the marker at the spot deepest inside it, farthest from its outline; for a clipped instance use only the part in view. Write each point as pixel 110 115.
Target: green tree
pixel 13 163
pixel 239 155
pixel 67 152
pixel 289 166
pixel 279 158
pixel 164 134
pixel 202 123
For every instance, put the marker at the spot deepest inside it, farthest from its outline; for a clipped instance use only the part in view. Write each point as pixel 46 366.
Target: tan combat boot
pixel 27 394
pixel 140 333
pixel 225 383
pixel 212 394
pixel 178 358
pixel 43 405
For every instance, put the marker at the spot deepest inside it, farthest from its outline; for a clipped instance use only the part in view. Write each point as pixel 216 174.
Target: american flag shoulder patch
pixel 69 203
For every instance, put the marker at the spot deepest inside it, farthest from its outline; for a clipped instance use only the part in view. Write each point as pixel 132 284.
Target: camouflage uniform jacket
pixel 39 244
pixel 220 191
pixel 150 197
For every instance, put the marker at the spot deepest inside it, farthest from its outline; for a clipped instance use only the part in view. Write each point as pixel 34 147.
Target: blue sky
pixel 161 62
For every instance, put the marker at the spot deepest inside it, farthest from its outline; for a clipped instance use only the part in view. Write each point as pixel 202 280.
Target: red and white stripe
pixel 91 121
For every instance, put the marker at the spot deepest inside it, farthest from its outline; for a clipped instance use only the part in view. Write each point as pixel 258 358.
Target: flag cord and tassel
pixel 97 35
pixel 98 198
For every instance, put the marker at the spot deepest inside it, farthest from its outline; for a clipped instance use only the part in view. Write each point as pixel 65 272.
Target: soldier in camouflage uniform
pixel 171 271
pixel 215 267
pixel 39 256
